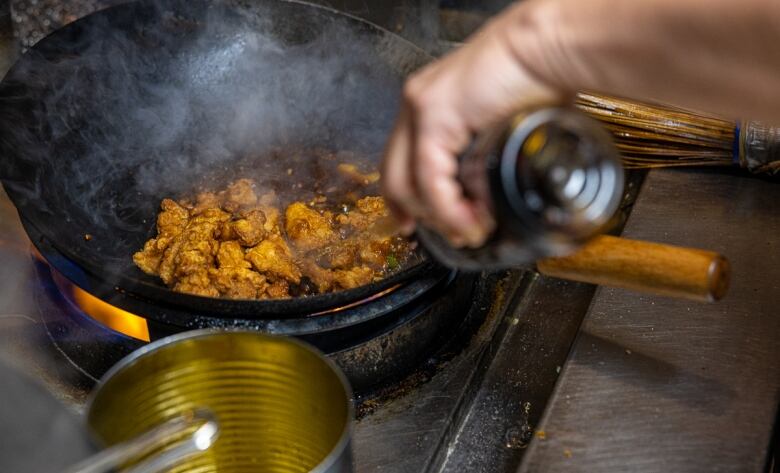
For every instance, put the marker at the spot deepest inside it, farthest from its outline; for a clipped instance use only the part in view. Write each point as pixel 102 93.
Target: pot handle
pixel 115 456
pixel 646 267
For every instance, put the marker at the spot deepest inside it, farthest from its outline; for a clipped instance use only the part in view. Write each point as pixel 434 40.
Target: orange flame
pixel 112 317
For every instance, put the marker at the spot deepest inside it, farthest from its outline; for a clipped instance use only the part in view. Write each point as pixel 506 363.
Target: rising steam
pixel 141 101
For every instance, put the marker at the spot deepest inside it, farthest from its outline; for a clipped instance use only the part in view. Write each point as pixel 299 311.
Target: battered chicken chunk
pixel 198 283
pixel 231 254
pixel 272 217
pixel 148 259
pixel 375 252
pixel 240 194
pixel 170 223
pixel 172 219
pixel 322 278
pixel 272 256
pixel 278 289
pixel 238 283
pixel 193 248
pixel 328 280
pixel 354 277
pixel 234 278
pixel 205 200
pixel 249 230
pixel 306 228
pixel 337 256
pixel 372 205
pixel 367 210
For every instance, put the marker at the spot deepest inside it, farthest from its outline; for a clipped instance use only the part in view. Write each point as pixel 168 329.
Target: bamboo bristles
pixel 650 136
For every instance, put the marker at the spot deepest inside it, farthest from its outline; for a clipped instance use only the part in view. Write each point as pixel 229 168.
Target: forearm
pixel 715 55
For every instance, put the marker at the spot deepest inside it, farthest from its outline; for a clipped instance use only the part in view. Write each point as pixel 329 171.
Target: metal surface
pixel 415 20
pixel 655 384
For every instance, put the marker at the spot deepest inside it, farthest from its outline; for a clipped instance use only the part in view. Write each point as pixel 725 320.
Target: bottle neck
pixel 559 176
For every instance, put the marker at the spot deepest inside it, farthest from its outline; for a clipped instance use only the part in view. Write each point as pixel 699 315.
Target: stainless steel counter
pixel 654 384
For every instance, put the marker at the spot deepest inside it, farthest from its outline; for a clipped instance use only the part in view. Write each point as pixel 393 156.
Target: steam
pixel 143 101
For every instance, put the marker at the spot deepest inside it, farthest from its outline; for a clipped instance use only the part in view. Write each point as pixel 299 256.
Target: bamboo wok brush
pixel 651 136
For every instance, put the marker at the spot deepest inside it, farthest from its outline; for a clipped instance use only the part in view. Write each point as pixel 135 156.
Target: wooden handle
pixel 642 266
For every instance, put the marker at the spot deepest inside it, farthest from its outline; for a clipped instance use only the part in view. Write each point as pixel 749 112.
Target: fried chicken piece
pixel 279 289
pixel 249 230
pixel 354 277
pixel 234 278
pixel 367 211
pixel 170 223
pixel 307 228
pixel 205 200
pixel 372 205
pixel 195 255
pixel 274 258
pixel 198 283
pixel 374 252
pixel 337 256
pixel 327 280
pixel 148 259
pixel 239 194
pixel 271 220
pixel 322 278
pixel 238 283
pixel 231 254
pixel 172 219
pixel 194 248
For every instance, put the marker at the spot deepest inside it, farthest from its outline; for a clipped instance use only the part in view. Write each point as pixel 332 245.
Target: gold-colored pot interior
pixel 281 407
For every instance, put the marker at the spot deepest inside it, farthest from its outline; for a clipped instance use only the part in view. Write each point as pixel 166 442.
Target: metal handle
pixel 113 457
pixel 759 147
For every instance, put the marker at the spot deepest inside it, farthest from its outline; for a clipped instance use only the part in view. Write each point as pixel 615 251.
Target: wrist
pixel 534 32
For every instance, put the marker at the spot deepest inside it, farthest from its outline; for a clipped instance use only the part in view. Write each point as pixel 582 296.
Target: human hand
pixel 477 86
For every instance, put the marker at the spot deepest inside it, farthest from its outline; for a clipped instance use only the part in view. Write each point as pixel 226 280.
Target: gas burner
pixel 377 341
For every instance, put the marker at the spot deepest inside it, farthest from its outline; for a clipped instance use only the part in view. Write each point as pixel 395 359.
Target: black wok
pixel 108 115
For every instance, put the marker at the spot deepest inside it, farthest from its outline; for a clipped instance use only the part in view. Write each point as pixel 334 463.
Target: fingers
pixel 419 172
pixel 435 170
pixel 397 185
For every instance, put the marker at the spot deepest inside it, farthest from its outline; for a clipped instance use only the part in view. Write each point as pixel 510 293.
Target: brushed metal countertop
pixel 654 384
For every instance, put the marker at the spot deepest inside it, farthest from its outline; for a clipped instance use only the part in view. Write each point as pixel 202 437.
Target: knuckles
pixel 415 93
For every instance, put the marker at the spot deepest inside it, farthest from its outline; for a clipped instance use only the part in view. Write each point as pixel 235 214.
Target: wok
pixel 110 114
